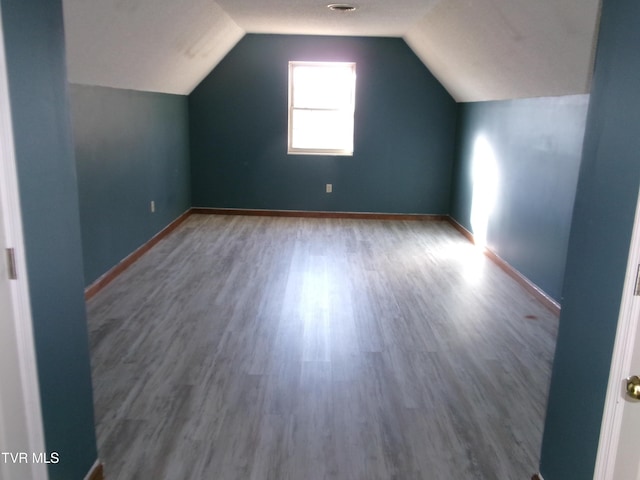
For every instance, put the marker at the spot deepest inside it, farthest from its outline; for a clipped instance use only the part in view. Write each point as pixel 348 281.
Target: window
pixel 321 106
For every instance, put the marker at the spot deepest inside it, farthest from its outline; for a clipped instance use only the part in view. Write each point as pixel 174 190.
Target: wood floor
pixel 257 348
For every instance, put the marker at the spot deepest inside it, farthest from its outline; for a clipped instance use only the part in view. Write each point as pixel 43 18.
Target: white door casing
pixel 21 427
pixel 619 448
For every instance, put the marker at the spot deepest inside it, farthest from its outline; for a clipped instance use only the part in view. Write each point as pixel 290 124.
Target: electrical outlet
pixel 153 206
pixel 329 188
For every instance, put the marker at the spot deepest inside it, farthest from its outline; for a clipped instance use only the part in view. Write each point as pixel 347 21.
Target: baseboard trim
pixel 319 214
pixel 110 275
pixel 523 281
pixel 96 472
pixel 466 233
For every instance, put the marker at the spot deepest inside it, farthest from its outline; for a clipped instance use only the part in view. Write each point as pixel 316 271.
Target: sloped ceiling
pixel 500 49
pixel 164 46
pixel 479 49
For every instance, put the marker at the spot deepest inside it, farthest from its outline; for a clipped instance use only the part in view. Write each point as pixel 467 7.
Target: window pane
pixel 322 129
pixel 328 87
pixel 321 107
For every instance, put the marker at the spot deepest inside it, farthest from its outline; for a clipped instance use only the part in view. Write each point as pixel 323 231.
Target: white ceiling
pixel 151 45
pixel 478 49
pixel 379 18
pixel 500 49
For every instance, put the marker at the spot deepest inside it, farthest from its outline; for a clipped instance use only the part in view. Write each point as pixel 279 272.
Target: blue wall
pixel 404 131
pixel 34 41
pixel 131 147
pixel 536 145
pixel 598 248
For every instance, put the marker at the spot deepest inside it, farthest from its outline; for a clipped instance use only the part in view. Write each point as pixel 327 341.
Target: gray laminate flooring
pixel 257 348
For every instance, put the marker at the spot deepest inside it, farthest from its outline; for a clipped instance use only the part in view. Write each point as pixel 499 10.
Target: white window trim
pixel 315 151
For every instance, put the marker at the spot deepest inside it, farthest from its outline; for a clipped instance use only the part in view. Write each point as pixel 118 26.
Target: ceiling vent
pixel 341 7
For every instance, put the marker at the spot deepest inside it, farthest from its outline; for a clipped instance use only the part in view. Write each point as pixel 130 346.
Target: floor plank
pixel 300 349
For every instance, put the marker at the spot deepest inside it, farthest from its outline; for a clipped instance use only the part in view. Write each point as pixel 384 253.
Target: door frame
pixel 621 361
pixel 29 420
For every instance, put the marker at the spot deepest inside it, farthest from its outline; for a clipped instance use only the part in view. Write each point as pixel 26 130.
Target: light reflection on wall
pixel 485 178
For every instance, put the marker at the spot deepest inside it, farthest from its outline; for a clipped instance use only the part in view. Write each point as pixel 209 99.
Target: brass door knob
pixel 633 387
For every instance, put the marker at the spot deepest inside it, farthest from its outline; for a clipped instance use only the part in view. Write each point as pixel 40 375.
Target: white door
pixel 12 436
pixel 628 457
pixel 20 424
pixel 619 448
pixel 20 416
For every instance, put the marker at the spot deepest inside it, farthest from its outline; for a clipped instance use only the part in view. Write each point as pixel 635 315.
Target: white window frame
pixel 349 110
